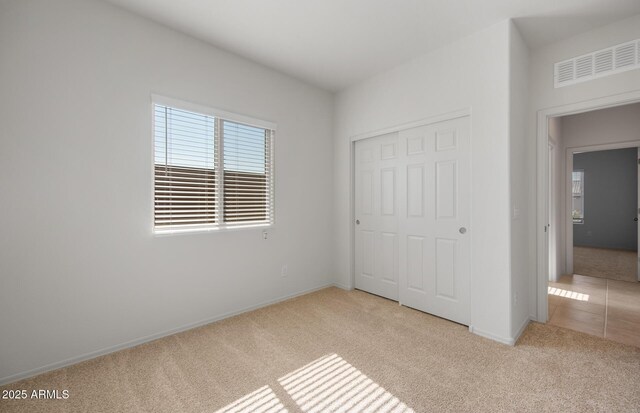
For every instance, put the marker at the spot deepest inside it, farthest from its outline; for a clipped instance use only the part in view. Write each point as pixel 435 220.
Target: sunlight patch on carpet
pixel 263 400
pixel 332 384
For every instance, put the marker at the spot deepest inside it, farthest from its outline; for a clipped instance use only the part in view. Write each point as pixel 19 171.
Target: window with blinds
pixel 210 171
pixel 577 211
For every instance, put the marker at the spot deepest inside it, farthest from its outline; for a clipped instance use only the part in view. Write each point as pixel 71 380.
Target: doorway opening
pixel 604 212
pixel 592 209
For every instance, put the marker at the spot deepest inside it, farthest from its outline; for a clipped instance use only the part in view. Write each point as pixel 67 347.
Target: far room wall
pixel 610 199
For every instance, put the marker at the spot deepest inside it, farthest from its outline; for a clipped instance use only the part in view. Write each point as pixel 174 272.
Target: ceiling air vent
pixel 605 62
pixel 584 67
pixel 565 72
pixel 625 55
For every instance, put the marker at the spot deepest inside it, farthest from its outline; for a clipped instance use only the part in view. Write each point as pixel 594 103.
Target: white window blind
pixel 210 172
pixel 247 173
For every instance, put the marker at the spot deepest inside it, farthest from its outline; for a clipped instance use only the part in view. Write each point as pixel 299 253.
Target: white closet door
pixel 412 210
pixel 435 240
pixel 376 210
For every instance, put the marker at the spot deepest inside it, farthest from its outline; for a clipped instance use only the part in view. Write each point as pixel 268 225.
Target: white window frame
pixel 578 221
pixel 224 115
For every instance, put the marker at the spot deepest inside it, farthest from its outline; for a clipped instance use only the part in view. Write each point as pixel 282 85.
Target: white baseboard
pixel 523 327
pixel 491 336
pixel 343 286
pixel 510 341
pixel 111 349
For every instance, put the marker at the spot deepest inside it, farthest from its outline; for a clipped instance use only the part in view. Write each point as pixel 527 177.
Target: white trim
pixel 207 110
pixel 132 343
pixel 568 193
pixel 542 190
pixel 553 225
pixel 510 341
pixel 351 282
pixel 523 327
pixel 422 122
pixel 207 229
pixel 152 167
pixel 568 213
pixel 343 286
pixel 603 147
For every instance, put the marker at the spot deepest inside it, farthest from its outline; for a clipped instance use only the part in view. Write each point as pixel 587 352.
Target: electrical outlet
pixel 285 270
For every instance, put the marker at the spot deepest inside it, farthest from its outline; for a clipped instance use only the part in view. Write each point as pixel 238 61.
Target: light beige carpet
pixel 333 349
pixel 606 263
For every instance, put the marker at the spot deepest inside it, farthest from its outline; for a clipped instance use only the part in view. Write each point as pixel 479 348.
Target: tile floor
pixel 597 306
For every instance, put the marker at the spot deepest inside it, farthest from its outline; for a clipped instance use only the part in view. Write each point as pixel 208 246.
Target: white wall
pixel 471 73
pixel 80 270
pixel 612 125
pixel 544 96
pixel 521 252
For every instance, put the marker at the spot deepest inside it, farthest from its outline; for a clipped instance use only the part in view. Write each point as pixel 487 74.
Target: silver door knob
pixel 462 230
pixel 357 222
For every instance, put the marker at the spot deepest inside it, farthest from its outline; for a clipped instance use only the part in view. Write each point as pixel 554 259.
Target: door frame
pixel 552 205
pixel 542 185
pixel 568 195
pixel 352 170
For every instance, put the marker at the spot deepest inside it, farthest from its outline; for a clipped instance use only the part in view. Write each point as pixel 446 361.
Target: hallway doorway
pixel 592 284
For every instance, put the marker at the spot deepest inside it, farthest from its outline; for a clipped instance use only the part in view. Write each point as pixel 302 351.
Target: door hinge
pixel 545 228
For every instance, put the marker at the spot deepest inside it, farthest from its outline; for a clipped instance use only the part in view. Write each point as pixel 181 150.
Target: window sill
pixel 209 230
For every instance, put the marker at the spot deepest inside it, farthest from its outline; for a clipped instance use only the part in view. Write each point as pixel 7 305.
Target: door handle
pixel 357 222
pixel 462 230
pixel 636 219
